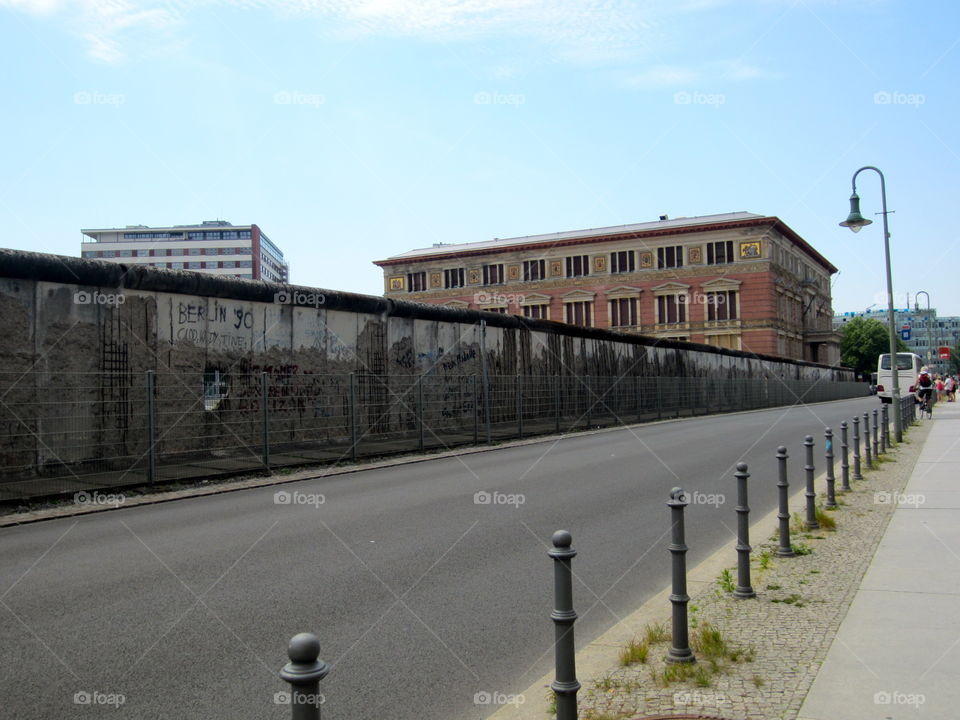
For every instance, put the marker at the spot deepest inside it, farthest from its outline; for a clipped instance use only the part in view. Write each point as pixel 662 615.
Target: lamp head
pixel 855 220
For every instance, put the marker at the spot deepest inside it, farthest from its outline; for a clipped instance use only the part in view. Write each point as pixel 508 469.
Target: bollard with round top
pixel 857 475
pixel 680 651
pixel 831 478
pixel 783 513
pixel 844 459
pixel 744 589
pixel 811 493
pixel 304 673
pixel 876 436
pixel 565 685
pixel 884 430
pixel 866 440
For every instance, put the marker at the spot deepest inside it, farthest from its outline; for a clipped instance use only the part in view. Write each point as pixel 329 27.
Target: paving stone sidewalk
pixel 783 635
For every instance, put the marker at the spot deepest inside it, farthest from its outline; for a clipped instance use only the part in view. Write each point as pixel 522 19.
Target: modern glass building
pixel 215 247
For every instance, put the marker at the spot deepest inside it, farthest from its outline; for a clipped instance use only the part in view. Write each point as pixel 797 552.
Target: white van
pixel 908 367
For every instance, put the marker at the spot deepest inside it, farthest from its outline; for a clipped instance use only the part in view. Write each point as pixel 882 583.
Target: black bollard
pixel 856 449
pixel 831 479
pixel 680 651
pixel 304 673
pixel 876 436
pixel 744 588
pixel 811 493
pixel 565 685
pixel 844 459
pixel 783 515
pixel 866 440
pixel 885 415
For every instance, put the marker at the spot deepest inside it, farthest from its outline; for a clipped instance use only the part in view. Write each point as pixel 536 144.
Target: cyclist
pixel 924 387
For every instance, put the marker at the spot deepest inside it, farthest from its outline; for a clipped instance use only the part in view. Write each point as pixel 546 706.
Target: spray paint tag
pixel 830 445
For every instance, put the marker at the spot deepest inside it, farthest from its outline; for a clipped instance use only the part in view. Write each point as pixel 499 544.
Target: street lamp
pixel 855 221
pixel 929 330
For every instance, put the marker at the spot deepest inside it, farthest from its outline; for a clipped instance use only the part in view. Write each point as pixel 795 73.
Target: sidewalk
pixel 897 652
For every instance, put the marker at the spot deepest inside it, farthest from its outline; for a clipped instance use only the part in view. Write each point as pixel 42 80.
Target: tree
pixel 862 342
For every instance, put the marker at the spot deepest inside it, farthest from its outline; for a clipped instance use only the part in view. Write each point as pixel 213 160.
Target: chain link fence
pixel 69 433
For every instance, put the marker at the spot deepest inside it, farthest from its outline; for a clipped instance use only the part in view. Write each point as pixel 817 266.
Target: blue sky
pixel 352 130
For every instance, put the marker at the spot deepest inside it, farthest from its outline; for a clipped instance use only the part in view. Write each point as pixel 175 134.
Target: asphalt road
pixel 421 597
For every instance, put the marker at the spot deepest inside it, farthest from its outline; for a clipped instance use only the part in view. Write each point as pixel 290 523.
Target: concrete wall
pixel 85 332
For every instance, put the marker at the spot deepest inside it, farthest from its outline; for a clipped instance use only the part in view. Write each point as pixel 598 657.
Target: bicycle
pixel 926 405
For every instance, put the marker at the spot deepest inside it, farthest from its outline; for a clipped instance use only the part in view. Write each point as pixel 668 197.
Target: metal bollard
pixel 565 685
pixel 304 673
pixel 844 459
pixel 831 478
pixel 811 493
pixel 744 588
pixel 876 436
pixel 885 416
pixel 783 515
pixel 856 449
pixel 680 651
pixel 883 430
pixel 866 440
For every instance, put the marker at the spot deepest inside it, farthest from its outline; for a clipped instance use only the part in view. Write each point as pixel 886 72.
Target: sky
pixel 353 130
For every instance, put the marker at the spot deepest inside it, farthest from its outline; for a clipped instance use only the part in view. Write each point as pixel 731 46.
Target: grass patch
pixel 826 521
pixel 725 581
pixel 773 587
pixel 758 681
pixel 656 633
pixel 802 549
pixel 634 652
pixel 765 558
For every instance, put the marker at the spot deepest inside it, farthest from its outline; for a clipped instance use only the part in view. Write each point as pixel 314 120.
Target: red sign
pixel 944 353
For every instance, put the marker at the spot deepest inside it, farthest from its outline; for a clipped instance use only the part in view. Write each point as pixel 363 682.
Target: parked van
pixel 908 367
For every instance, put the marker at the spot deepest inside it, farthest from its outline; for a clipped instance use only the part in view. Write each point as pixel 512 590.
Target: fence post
pixel 353 416
pixel 518 391
pixel 565 685
pixel 304 673
pixel 476 410
pixel 151 426
pixel 866 440
pixel 264 390
pixel 831 479
pixel 811 493
pixel 659 399
pixel 744 588
pixel 783 513
pixel 680 651
pixel 420 425
pixel 556 402
pixel 857 475
pixel 844 459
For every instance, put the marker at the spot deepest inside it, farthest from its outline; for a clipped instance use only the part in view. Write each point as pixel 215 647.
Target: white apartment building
pixel 215 247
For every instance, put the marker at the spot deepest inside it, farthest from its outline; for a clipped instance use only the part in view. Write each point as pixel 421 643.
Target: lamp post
pixel 930 345
pixel 855 221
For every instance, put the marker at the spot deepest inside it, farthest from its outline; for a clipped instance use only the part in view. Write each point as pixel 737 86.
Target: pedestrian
pixel 950 385
pixel 938 382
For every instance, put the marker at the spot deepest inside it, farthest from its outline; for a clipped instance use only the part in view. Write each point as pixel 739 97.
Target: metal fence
pixel 70 432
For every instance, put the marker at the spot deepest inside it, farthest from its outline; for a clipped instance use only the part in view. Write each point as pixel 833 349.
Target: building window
pixel 536 312
pixel 622 262
pixel 177 266
pixel 731 341
pixel 126 253
pixel 143 253
pixel 578 266
pixel 719 253
pixel 533 270
pixel 499 310
pixel 453 278
pixel 671 308
pixel 194 265
pixel 722 305
pixel 417 282
pixel 623 312
pixel 670 257
pixel 579 313
pixel 493 274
